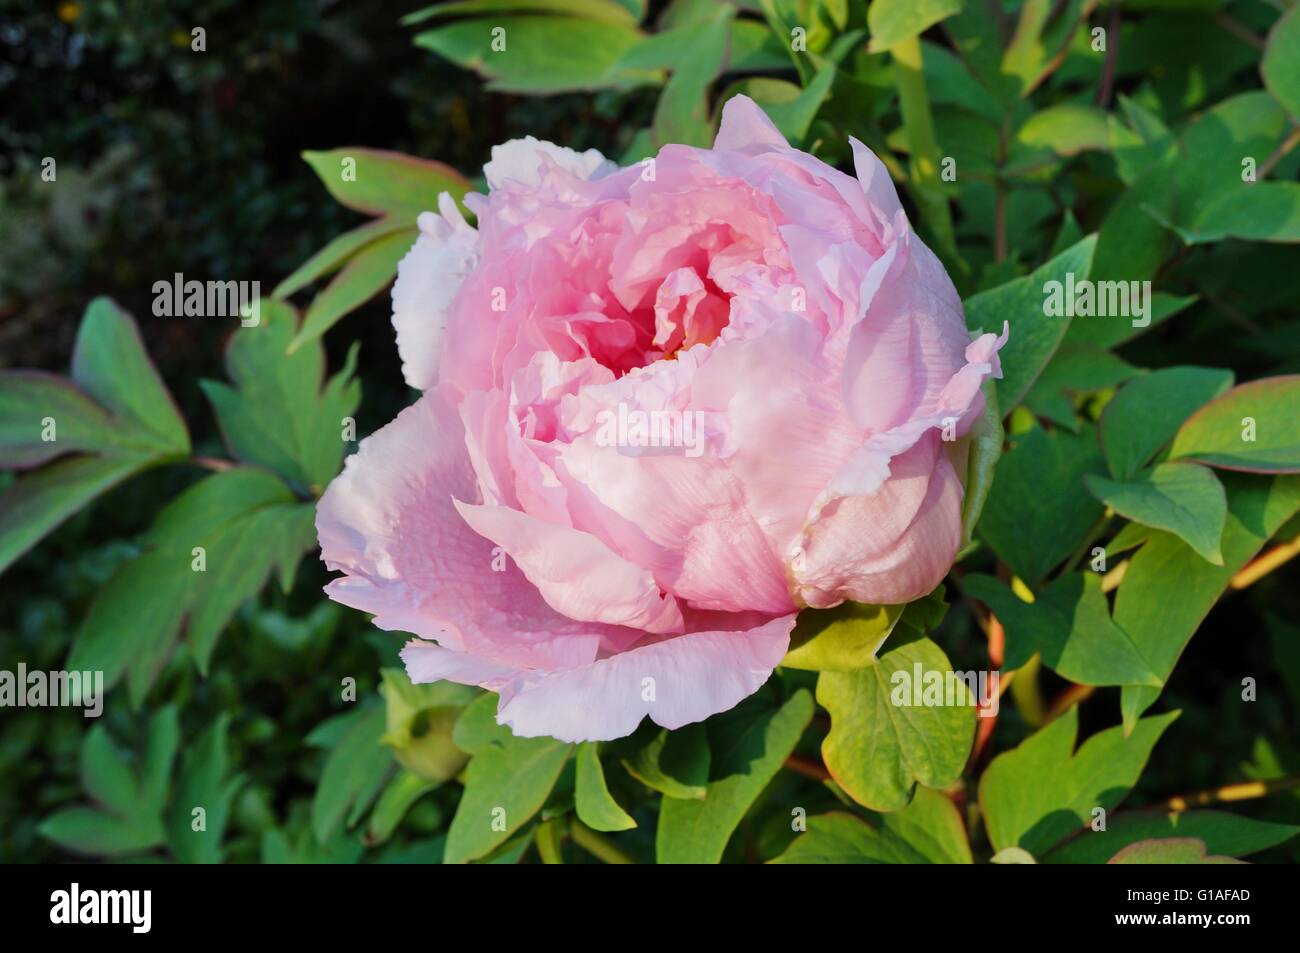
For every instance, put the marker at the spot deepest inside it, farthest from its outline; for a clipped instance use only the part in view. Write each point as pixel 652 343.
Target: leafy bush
pixel 1142 470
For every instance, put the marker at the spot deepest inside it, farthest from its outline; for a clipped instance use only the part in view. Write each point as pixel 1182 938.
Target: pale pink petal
pixel 520 162
pixel 389 524
pixel 744 125
pixel 576 573
pixel 876 183
pixel 889 548
pixel 909 342
pixel 677 681
pixel 428 279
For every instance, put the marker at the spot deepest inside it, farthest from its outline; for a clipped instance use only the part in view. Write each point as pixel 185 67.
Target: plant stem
pixel 1027 695
pixel 598 845
pixel 1112 579
pixel 918 126
pixel 1229 25
pixel 1279 153
pixel 1112 54
pixel 1244 791
pixel 549 835
pixel 212 463
pixel 807 767
pixel 1265 564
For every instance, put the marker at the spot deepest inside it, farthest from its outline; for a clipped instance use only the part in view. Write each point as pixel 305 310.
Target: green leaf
pixel 84 830
pixel 682 113
pixel 1106 333
pixel 1253 427
pixel 106 775
pixel 159 756
pixel 1031 530
pixel 1034 334
pixel 1043 31
pixel 985 441
pixel 367 273
pixel 245 522
pixel 755 47
pixel 1069 624
pixel 1214 199
pixel 338 252
pixel 43 499
pixel 355 771
pixel 477 725
pixel 595 805
pixel 1065 129
pixel 507 782
pixel 1042 791
pixel 1280 66
pixel 928 831
pixel 396 800
pixel 110 364
pixel 1168 588
pixel 1075 370
pixel 891 21
pixel 281 413
pixel 1184 498
pixel 1169 850
pixel 951 83
pixel 748 749
pixel 1221 832
pixel 542 55
pixel 115 406
pixel 674 763
pixel 607 11
pixel 1260 212
pixel 30 399
pixel 841 639
pixel 887 734
pixel 1147 412
pixel 202 783
pixel 380 182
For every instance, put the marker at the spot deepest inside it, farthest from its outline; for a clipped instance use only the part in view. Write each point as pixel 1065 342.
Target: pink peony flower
pixel 665 408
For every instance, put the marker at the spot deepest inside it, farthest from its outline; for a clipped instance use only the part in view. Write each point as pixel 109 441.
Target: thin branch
pixel 1240 31
pixel 1262 565
pixel 1112 54
pixel 215 464
pixel 1244 791
pixel 598 845
pixel 1285 146
pixel 807 767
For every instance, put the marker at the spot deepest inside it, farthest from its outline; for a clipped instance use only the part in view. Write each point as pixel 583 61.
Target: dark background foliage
pixel 172 162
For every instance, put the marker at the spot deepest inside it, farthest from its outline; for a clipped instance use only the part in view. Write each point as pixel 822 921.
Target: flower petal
pixel 521 162
pixel 408 557
pixel 744 124
pixel 676 681
pixel 889 548
pixel 576 573
pixel 428 279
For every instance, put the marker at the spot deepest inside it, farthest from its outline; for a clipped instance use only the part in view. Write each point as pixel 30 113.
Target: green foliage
pixel 1043 791
pixel 114 415
pixel 1118 487
pixel 141 809
pixel 928 831
pixel 749 744
pixel 886 734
